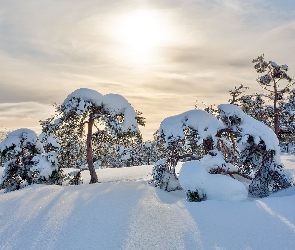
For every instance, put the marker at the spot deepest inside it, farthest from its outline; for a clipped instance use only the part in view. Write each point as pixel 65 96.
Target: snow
pixel 211 162
pixel 206 124
pixel 274 64
pixel 193 176
pixel 284 67
pixel 125 212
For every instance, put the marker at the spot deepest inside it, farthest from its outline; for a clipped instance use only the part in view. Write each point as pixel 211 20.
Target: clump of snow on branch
pixel 116 105
pixel 194 177
pixel 44 165
pixel 216 160
pixel 81 100
pixel 85 95
pixel 249 126
pixel 206 124
pixel 49 142
pixel 18 139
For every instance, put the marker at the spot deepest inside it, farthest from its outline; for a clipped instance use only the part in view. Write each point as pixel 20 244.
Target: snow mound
pixel 193 176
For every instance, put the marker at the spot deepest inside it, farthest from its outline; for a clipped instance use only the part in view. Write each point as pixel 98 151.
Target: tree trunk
pixel 208 145
pixel 275 109
pixel 93 175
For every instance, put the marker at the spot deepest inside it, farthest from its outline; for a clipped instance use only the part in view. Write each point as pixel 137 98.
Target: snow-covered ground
pixel 125 212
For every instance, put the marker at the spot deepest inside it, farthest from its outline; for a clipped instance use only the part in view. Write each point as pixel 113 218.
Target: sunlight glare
pixel 140 33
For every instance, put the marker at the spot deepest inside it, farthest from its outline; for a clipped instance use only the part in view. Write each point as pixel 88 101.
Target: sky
pixel 160 55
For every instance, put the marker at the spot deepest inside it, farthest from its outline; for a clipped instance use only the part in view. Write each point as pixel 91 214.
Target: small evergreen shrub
pixel 194 196
pixel 164 176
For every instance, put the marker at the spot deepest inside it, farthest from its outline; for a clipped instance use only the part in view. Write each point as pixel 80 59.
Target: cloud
pixel 50 48
pixel 25 110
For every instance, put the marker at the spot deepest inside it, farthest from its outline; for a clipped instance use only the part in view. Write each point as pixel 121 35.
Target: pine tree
pixel 88 108
pixel 270 81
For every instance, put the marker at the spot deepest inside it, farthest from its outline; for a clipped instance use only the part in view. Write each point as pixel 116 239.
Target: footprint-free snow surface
pixel 125 212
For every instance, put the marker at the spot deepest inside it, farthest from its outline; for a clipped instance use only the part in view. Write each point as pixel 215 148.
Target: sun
pixel 141 30
pixel 139 34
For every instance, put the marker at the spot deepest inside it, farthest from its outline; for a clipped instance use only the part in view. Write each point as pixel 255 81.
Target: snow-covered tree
pixel 236 93
pixel 274 105
pixel 253 105
pixel 26 162
pixel 287 119
pixel 88 108
pixel 150 153
pixel 259 150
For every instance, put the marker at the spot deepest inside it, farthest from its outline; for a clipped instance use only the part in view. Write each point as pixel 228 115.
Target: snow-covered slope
pixel 124 212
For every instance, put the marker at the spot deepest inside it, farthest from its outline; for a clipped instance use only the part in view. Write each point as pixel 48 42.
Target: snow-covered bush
pixel 26 162
pixel 195 196
pixel 164 176
pixel 73 178
pixel 187 136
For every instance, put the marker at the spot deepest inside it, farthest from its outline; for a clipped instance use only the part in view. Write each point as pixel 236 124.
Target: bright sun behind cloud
pixel 139 34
